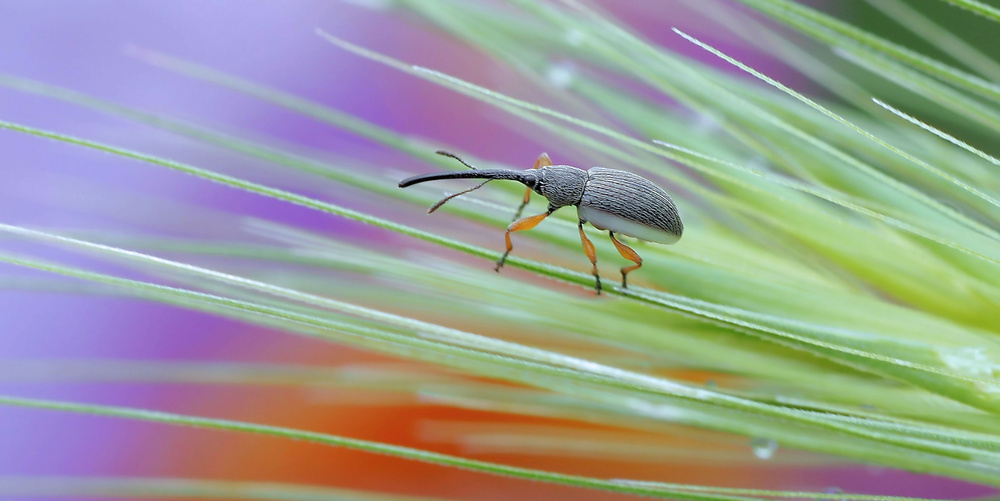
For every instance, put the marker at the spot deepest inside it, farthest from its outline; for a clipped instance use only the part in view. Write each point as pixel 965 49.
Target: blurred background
pixel 104 348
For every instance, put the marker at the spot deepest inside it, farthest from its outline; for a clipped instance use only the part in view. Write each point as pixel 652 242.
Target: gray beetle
pixel 609 199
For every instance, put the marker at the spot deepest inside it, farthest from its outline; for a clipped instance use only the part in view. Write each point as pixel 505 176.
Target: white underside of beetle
pixel 607 221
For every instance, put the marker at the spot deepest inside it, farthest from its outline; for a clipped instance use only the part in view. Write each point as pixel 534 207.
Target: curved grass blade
pixel 931 89
pixel 977 7
pixel 581 368
pixel 357 444
pixel 163 488
pixel 944 455
pixel 914 21
pixel 964 388
pixel 817 336
pixel 840 34
pixel 885 179
pixel 939 133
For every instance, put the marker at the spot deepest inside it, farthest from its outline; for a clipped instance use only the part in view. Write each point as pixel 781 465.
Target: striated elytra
pixel 608 199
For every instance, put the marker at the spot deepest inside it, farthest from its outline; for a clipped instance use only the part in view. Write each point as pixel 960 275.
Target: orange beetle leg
pixel 588 248
pixel 526 223
pixel 626 253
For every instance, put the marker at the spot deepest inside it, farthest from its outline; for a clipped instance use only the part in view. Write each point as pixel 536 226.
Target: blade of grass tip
pixel 488 95
pixel 768 41
pixel 109 487
pixel 545 361
pixel 244 146
pixel 939 133
pixel 913 20
pixel 482 93
pixel 840 34
pixel 410 145
pixel 980 8
pixel 322 113
pixel 933 90
pixel 957 216
pixel 251 148
pixel 352 443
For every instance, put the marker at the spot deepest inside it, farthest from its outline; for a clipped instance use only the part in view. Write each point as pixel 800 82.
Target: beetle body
pixel 609 199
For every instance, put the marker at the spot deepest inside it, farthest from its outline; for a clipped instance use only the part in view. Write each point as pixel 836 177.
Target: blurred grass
pixel 838 276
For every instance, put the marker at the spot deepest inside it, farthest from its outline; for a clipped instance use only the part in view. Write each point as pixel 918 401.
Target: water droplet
pixel 711 384
pixel 972 360
pixel 575 37
pixel 705 124
pixel 561 74
pixel 834 490
pixel 764 448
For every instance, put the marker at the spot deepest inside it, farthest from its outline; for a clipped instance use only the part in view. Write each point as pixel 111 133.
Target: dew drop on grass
pixel 764 448
pixel 711 384
pixel 834 490
pixel 561 74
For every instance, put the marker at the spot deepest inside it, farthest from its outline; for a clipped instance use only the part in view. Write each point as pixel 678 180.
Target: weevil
pixel 609 199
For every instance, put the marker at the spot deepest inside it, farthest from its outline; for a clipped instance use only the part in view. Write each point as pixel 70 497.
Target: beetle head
pixel 562 185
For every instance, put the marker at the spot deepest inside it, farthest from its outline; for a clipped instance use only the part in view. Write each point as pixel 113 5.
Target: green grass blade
pixel 849 38
pixel 653 489
pixel 977 7
pixel 583 370
pixel 357 444
pixel 912 20
pixel 164 488
pixel 921 197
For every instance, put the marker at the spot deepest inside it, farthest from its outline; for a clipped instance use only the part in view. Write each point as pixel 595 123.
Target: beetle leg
pixel 525 223
pixel 588 248
pixel 627 253
pixel 542 161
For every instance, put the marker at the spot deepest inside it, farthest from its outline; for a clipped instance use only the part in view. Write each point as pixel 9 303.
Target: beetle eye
pixel 531 181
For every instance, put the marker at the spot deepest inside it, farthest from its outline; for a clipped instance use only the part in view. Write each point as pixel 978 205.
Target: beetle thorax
pixel 562 185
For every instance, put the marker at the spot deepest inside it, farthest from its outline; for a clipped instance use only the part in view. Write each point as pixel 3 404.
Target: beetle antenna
pixel 452 155
pixel 453 195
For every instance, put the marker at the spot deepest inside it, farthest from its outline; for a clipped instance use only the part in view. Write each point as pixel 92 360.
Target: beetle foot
pixel 501 261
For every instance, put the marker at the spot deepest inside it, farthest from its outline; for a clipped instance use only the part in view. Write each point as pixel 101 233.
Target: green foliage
pixel 840 265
